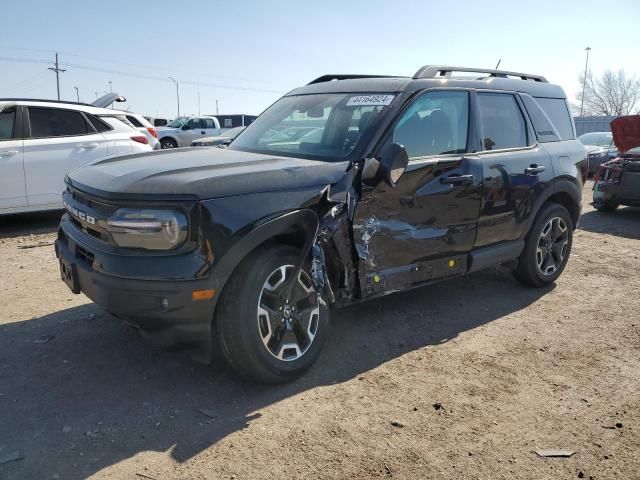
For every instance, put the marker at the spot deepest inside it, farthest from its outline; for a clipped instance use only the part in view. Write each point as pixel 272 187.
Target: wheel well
pixel 295 236
pixel 564 199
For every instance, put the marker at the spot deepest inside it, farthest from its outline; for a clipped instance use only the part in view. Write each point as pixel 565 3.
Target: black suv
pixel 349 188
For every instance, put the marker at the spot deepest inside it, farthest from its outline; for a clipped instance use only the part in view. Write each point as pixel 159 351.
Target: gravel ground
pixel 463 379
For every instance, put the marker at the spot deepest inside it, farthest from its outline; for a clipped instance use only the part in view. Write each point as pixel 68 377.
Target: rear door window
pixel 55 122
pixel 209 123
pixel 557 111
pixel 502 121
pixel 7 123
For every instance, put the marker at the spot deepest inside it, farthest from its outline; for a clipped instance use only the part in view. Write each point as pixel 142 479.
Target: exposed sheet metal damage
pixel 332 266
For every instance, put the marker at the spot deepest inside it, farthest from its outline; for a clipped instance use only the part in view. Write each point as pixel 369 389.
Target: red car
pixel 618 181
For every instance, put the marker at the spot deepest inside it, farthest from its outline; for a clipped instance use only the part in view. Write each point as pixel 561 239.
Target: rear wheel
pixel 547 247
pixel 603 205
pixel 267 333
pixel 168 143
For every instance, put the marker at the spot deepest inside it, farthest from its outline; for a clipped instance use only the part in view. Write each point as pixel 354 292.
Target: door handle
pixel 202 132
pixel 534 169
pixel 8 153
pixel 88 146
pixel 457 180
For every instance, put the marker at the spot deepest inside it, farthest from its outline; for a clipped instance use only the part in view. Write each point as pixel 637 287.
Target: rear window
pixel 7 123
pixel 134 121
pixel 502 122
pixel 99 125
pixel 557 111
pixel 55 122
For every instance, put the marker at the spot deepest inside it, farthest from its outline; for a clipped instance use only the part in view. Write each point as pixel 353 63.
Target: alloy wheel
pixel 288 323
pixel 553 244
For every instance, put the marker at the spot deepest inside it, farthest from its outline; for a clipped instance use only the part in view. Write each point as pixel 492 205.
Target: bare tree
pixel 614 93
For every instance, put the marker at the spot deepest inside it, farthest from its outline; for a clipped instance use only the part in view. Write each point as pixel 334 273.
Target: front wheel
pixel 547 247
pixel 168 143
pixel 268 332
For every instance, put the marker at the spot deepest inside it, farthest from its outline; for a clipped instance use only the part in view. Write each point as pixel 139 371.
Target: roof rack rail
pixel 330 77
pixel 16 99
pixel 434 71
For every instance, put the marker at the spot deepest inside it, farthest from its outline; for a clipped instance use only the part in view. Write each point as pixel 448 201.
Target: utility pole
pixel 57 69
pixel 77 94
pixel 217 113
pixel 110 86
pixel 584 79
pixel 177 93
pixel 199 101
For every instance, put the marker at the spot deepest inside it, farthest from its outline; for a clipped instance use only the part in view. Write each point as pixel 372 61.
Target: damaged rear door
pixel 423 228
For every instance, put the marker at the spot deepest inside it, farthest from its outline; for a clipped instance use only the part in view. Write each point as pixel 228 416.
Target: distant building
pixel 593 124
pixel 236 120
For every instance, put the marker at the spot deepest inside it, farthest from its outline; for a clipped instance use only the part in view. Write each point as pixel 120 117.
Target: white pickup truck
pixel 184 130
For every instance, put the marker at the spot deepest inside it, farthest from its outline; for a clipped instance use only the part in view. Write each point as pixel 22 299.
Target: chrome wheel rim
pixel 288 324
pixel 553 245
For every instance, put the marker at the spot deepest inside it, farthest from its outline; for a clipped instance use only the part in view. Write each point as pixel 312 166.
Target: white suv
pixel 42 140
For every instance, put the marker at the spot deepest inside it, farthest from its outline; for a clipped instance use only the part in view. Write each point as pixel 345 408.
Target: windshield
pixel 232 132
pixel 321 126
pixel 178 122
pixel 601 139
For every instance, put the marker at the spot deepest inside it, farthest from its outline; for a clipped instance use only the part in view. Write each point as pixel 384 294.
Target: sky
pixel 246 54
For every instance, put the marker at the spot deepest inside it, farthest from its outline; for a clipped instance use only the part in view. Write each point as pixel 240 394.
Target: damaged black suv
pixel 349 188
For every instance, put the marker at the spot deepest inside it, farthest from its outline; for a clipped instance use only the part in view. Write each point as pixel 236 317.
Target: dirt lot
pixel 475 373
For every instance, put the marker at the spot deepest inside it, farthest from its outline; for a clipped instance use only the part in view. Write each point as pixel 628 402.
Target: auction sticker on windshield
pixel 370 100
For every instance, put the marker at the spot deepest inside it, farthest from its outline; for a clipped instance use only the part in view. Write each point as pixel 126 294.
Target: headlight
pixel 149 229
pixel 598 155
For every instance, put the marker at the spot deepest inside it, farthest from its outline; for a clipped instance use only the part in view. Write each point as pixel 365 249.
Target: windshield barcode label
pixel 370 100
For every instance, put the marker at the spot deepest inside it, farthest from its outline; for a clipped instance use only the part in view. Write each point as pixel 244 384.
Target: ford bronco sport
pixel 398 183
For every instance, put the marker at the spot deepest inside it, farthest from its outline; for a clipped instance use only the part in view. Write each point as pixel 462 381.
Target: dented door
pixel 420 230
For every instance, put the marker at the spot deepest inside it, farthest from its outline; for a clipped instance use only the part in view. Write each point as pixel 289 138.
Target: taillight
pixel 140 139
pixel 153 132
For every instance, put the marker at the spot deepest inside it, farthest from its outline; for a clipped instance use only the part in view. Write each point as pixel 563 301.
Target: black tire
pixel 542 252
pixel 242 328
pixel 168 143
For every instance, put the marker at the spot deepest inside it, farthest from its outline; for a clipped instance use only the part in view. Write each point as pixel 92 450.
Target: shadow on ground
pixel 83 370
pixel 19 225
pixel 624 222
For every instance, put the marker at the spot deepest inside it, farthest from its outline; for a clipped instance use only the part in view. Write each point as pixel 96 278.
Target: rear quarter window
pixel 557 111
pixel 545 131
pixel 99 125
pixel 134 121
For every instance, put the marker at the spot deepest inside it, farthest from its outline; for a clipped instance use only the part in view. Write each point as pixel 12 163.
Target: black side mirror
pixel 186 126
pixel 388 166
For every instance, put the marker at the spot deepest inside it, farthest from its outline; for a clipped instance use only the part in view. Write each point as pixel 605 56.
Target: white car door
pixel 13 193
pixel 60 140
pixel 210 127
pixel 192 130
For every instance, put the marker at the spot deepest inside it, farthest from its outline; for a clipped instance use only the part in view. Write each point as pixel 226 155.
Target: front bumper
pixel 163 310
pixel 627 192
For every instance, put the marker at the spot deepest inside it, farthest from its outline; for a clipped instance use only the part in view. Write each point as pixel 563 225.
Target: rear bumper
pixel 163 310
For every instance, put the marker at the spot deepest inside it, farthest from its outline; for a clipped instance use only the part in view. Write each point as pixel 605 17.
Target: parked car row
pixel 42 140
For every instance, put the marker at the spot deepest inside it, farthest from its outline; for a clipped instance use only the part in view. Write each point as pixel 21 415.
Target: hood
pixel 166 129
pixel 106 100
pixel 626 132
pixel 201 174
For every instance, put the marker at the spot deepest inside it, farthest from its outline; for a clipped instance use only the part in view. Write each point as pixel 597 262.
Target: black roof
pixel 431 76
